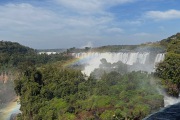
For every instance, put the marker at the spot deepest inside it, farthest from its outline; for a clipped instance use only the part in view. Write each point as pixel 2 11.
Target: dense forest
pixel 15 56
pixel 14 60
pixel 53 92
pixel 49 90
pixel 169 69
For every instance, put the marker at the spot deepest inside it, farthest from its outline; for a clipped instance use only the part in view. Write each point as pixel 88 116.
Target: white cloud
pixel 23 22
pixel 20 17
pixel 44 27
pixel 135 22
pixel 142 34
pixel 89 44
pixel 28 17
pixel 163 15
pixel 69 23
pixel 115 30
pixel 83 6
pixel 90 6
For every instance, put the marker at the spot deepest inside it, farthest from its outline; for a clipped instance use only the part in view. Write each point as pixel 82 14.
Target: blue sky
pixel 78 23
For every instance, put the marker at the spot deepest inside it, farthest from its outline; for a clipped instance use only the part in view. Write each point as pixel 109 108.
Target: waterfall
pixel 92 59
pixel 159 58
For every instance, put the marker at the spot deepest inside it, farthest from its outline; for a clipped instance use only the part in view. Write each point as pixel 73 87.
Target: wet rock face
pixel 7 76
pixel 169 113
pixel 3 78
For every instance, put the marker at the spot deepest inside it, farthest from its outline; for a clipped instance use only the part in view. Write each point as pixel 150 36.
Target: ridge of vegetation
pixel 48 90
pixel 56 93
pixel 169 69
pixel 14 60
pixel 156 47
pixel 19 57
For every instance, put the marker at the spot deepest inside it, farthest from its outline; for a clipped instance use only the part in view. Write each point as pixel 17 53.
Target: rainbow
pixel 76 60
pixel 11 108
pixel 72 61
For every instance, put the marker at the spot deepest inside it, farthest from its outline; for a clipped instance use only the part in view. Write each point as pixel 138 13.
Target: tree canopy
pixel 169 69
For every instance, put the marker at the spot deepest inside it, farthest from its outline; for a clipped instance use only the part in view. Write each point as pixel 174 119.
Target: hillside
pixel 12 54
pixel 54 91
pixel 19 57
pixel 48 89
pixel 169 69
pixel 15 60
pixel 14 47
pixel 165 42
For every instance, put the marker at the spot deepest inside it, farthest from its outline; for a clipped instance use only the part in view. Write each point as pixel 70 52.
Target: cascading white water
pixel 159 57
pixel 168 100
pixel 92 59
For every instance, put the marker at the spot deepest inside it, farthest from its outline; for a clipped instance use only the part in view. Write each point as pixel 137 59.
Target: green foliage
pixel 146 47
pixel 174 46
pixel 107 115
pixel 166 42
pixel 15 59
pixel 169 69
pixel 67 116
pixel 50 91
pixel 53 92
pixel 21 57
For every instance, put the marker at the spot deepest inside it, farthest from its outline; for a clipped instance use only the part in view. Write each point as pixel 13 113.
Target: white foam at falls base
pixel 170 100
pixel 92 59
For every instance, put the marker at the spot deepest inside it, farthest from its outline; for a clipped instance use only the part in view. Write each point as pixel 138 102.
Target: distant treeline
pixel 51 50
pixel 19 57
pixel 156 47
